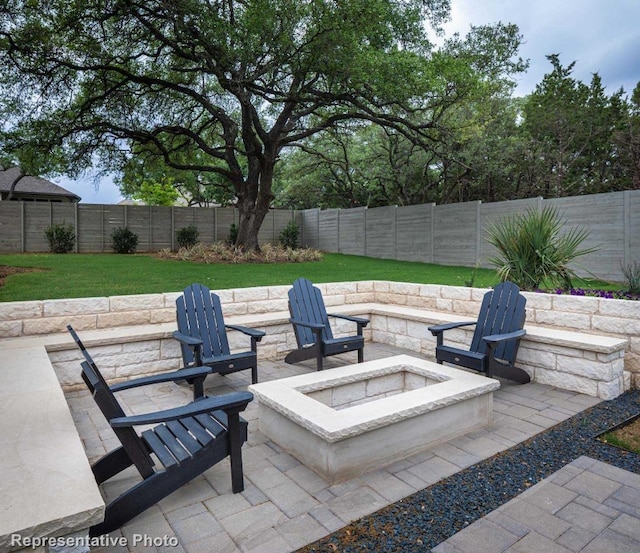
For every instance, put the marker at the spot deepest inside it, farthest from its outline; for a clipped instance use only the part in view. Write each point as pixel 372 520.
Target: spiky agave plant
pixel 534 248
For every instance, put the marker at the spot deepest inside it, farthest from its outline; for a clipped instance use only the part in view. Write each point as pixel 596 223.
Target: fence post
pixel 22 227
pixel 478 232
pixel 364 230
pixel 173 225
pixel 395 232
pixel 433 230
pixel 75 224
pixel 338 229
pixel 102 227
pixel 626 225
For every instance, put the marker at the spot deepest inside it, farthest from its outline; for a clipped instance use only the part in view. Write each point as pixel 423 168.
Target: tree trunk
pixel 253 209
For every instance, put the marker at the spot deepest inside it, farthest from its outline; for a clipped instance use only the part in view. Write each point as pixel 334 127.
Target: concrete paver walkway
pixel 587 506
pixel 285 505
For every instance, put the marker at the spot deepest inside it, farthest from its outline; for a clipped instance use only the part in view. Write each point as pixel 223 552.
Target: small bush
pixel 124 240
pixel 61 237
pixel 187 237
pixel 289 236
pixel 534 248
pixel 233 234
pixel 631 274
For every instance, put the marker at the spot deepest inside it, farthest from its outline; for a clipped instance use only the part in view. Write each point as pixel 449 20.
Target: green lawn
pixel 89 275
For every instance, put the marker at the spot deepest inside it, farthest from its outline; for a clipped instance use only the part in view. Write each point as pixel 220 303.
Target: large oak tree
pixel 210 86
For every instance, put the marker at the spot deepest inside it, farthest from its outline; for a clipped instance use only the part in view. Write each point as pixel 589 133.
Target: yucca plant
pixel 533 248
pixel 631 274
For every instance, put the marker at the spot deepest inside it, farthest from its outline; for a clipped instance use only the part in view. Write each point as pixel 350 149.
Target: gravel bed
pixel 431 516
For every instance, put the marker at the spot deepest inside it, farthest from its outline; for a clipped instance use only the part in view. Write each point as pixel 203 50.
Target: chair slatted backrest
pixel 108 404
pixel 199 315
pixel 502 312
pixel 306 304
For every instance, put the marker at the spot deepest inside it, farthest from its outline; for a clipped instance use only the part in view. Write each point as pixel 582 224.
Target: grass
pixel 91 275
pixel 625 436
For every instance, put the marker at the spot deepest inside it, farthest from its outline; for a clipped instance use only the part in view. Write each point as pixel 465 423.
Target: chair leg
pixel 111 464
pixel 319 359
pixel 235 452
pixel 361 355
pixel 254 375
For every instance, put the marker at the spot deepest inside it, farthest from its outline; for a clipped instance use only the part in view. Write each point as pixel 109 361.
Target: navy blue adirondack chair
pixel 186 441
pixel 496 338
pixel 310 322
pixel 202 334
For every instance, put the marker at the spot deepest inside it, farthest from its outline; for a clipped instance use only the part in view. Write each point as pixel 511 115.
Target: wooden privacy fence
pixel 22 224
pixel 454 234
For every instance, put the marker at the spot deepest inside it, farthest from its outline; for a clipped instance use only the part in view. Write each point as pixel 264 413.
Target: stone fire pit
pixel 345 421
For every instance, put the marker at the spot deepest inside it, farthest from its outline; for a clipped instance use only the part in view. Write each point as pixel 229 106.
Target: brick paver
pixel 560 515
pixel 285 505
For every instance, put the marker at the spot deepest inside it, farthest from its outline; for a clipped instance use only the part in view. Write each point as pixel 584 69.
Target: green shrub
pixel 187 237
pixel 534 248
pixel 289 236
pixel 631 274
pixel 233 234
pixel 61 237
pixel 124 240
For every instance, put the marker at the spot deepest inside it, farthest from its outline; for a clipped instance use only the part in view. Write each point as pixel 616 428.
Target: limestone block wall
pixel 33 318
pixel 265 307
pixel 560 358
pixel 600 316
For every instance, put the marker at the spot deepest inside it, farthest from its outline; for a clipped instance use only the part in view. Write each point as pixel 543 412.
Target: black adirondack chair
pixel 310 322
pixel 202 334
pixel 496 338
pixel 187 441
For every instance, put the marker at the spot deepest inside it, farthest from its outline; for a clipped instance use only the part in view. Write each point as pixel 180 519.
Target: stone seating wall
pixel 583 344
pixel 131 335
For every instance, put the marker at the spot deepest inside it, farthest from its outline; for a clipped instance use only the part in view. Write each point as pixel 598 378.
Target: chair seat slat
pixel 211 424
pixel 171 442
pixel 159 448
pixel 198 431
pixel 185 438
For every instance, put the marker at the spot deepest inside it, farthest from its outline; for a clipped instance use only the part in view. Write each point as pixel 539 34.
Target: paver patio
pixel 285 505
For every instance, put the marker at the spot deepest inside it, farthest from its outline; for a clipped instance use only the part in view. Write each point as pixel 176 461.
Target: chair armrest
pixel 234 402
pixel 185 339
pixel 439 329
pixel 254 333
pixel 358 320
pixel 182 374
pixel 495 338
pixel 312 326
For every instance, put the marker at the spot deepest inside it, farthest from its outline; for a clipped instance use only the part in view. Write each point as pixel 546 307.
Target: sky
pixel 601 36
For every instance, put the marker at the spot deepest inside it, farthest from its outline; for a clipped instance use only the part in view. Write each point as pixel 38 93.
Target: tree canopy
pixel 565 138
pixel 217 87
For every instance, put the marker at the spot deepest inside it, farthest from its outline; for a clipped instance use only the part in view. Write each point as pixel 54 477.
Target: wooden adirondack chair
pixel 496 338
pixel 187 441
pixel 202 334
pixel 310 322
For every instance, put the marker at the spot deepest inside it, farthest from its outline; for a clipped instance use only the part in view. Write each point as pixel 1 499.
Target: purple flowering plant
pixel 595 293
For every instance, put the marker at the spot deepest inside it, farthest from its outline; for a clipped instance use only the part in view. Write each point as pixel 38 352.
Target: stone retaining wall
pixel 615 318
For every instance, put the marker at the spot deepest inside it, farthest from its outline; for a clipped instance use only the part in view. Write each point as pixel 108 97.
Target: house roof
pixel 31 185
